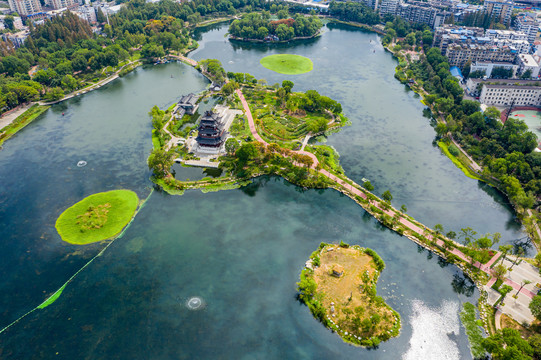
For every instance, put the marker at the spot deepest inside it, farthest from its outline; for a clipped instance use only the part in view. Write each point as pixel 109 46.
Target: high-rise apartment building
pixel 527 25
pixel 499 10
pixel 25 7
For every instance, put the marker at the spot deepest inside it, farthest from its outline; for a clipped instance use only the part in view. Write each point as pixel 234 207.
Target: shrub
pixel 380 264
pixel 454 150
pixel 343 244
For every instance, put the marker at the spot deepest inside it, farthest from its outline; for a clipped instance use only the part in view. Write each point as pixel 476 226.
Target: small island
pixel 97 217
pixel 258 27
pixel 287 64
pixel 338 284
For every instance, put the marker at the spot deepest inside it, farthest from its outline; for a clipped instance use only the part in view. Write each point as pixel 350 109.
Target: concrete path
pixel 174 139
pixel 201 163
pixel 498 319
pixel 305 141
pixel 10 116
pixel 185 59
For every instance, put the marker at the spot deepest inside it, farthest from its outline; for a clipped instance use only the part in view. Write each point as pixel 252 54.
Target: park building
pixel 211 133
pixel 189 103
pixel 499 10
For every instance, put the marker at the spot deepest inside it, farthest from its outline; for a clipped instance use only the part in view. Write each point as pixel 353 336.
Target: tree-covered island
pixel 338 284
pixel 260 27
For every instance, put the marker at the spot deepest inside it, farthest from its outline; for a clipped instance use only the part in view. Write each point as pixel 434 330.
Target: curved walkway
pixel 354 188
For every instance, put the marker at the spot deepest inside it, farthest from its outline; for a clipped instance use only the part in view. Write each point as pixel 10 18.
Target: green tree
pixel 368 186
pixel 231 145
pixel 387 196
pixel 54 94
pixel 438 228
pixel 535 307
pixel 287 85
pixel 403 208
pixel 505 249
pixel 499 271
pixel 160 162
pixel 247 152
pixel 69 83
pixel 467 235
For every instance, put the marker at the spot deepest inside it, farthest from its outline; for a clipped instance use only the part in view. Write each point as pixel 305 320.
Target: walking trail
pixel 354 188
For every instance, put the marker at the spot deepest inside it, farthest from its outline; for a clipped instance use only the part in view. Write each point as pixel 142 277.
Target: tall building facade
pixel 25 7
pixel 388 7
pixel 60 4
pixel 527 25
pixel 499 10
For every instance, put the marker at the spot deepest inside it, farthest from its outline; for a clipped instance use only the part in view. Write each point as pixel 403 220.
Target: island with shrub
pixel 259 27
pixel 338 285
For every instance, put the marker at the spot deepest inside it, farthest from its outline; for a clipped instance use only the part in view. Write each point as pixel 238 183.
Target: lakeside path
pixel 95 86
pixel 353 188
pixel 10 116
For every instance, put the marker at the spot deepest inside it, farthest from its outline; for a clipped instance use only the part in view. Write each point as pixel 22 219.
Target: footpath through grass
pixel 22 120
pixel 287 64
pixel 97 217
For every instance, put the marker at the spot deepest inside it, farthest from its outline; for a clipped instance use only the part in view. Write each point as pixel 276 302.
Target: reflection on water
pixel 435 332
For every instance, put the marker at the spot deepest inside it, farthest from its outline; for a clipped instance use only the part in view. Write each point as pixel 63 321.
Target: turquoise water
pixel 241 251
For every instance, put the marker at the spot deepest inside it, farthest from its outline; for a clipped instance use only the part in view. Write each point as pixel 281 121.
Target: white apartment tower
pixel 499 10
pixel 25 7
pixel 60 4
pixel 527 25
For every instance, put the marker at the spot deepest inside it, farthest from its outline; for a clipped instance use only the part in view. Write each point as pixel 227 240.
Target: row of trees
pixel 505 150
pixel 259 26
pixel 69 55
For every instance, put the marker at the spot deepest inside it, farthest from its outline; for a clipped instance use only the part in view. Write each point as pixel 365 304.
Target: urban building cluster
pixel 462 45
pixel 32 10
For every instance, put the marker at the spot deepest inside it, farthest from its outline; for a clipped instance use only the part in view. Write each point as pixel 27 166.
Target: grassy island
pixel 97 217
pixel 339 286
pixel 287 64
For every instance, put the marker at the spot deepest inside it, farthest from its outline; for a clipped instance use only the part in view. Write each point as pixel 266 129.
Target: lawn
pixel 97 217
pixel 287 64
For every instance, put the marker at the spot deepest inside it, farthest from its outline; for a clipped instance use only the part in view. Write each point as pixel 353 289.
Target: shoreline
pixel 259 41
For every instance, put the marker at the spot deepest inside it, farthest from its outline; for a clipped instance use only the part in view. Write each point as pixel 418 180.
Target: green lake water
pixel 240 251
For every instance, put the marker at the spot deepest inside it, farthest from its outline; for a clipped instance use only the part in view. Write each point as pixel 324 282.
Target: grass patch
pixel 97 217
pixel 475 336
pixel 21 121
pixel 445 148
pixel 287 64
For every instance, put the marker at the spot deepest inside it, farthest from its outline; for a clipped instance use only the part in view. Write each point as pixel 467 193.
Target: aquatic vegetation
pixel 98 217
pixel 288 64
